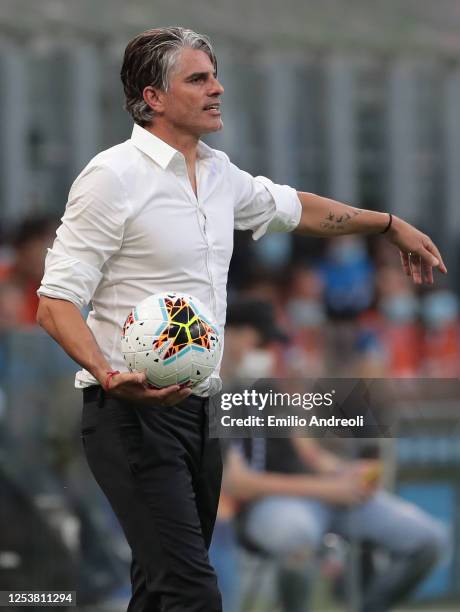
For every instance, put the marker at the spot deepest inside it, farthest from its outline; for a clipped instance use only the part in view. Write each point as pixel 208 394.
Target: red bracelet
pixel 109 378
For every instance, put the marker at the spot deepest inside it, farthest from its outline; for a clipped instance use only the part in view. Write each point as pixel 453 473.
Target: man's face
pixel 192 102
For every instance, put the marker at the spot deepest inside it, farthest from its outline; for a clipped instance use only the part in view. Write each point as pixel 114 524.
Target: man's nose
pixel 216 87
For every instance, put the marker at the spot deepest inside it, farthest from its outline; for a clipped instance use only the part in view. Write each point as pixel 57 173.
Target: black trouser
pixel 161 474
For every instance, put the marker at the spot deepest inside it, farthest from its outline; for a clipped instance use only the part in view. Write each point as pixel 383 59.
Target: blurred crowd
pixel 297 308
pixel 347 310
pixel 342 308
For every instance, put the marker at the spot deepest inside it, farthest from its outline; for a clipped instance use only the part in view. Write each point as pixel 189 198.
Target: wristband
pixel 109 377
pixel 388 225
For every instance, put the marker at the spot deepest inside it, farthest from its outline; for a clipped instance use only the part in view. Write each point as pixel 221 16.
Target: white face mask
pixel 256 363
pixel 306 312
pixel 439 308
pixel 400 308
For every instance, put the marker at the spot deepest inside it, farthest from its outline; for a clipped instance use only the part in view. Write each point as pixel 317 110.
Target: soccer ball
pixel 173 338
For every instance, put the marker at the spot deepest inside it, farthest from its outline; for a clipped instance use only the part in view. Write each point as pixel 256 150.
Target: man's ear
pixel 154 98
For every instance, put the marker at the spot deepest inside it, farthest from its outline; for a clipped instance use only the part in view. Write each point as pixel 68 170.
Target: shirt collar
pixel 204 150
pixel 160 151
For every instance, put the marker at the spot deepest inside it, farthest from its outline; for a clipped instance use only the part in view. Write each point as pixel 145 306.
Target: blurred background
pixel 353 100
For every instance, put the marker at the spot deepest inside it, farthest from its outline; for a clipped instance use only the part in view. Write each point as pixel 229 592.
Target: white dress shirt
pixel 133 227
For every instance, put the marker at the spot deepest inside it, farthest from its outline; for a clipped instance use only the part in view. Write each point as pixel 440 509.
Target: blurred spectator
pixel 441 336
pixel 250 337
pixel 21 277
pixel 306 320
pixel 305 305
pixel 370 361
pixel 251 334
pixel 293 492
pixel 261 284
pixel 348 274
pixel 400 331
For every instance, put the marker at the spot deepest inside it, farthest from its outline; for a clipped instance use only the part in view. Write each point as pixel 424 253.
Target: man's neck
pixel 185 143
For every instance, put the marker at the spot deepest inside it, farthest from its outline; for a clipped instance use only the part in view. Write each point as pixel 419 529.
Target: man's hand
pixel 369 470
pixel 133 387
pixel 419 255
pixel 325 217
pixel 347 489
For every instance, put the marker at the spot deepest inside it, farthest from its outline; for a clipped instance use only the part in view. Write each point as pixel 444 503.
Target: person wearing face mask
pixel 305 305
pixel 440 343
pixel 306 320
pixel 250 338
pixel 348 276
pixel 399 328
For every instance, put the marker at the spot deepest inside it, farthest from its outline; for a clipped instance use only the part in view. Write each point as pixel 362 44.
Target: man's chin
pixel 216 128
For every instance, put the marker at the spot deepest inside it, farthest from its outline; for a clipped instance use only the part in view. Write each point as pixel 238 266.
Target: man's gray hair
pixel 149 60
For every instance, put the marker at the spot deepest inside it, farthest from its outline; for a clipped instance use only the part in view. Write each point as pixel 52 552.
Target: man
pixel 157 213
pixel 292 492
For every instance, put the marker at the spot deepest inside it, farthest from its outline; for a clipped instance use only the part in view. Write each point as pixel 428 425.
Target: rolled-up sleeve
pixel 263 206
pixel 91 232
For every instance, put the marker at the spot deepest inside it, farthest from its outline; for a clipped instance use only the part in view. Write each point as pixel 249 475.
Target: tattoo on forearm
pixel 338 222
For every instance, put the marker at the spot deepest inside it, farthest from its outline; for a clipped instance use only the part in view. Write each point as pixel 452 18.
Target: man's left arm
pixel 317 458
pixel 327 218
pixel 323 462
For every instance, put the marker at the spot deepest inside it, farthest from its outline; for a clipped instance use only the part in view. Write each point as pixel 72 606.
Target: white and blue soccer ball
pixel 173 338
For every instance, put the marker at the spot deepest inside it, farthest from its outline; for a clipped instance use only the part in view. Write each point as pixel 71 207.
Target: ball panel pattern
pixel 173 338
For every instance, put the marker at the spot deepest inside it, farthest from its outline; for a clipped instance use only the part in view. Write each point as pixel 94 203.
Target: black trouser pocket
pixel 132 439
pixel 108 421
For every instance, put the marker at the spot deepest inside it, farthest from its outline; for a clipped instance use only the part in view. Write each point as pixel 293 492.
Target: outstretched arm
pixel 327 218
